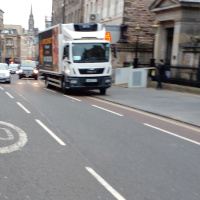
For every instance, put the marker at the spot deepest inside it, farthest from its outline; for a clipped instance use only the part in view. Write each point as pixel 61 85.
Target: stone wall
pixel 137 12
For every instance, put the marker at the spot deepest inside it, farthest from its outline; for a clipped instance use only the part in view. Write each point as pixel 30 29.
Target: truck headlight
pixel 68 72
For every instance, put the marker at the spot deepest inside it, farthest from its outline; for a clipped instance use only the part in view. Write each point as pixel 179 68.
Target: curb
pixel 167 117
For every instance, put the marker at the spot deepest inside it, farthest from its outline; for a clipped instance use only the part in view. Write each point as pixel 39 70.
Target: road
pixel 77 147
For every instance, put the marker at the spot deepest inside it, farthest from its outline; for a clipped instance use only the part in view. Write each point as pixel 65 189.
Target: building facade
pixel 2 56
pixel 67 11
pixel 12 43
pixel 176 40
pixel 102 11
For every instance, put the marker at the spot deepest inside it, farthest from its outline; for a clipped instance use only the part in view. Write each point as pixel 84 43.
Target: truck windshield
pixel 90 52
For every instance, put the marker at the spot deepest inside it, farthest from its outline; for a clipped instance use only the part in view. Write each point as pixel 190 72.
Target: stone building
pixel 107 12
pixel 2 56
pixel 20 44
pixel 178 37
pixel 176 41
pixel 12 42
pixel 67 11
pixel 113 12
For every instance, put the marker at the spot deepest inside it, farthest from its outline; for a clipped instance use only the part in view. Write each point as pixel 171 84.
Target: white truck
pixel 75 56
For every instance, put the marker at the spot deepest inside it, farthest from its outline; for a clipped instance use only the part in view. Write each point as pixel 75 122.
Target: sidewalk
pixel 184 107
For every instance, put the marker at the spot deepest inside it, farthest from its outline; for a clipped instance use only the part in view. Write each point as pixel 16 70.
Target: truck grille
pixel 91 71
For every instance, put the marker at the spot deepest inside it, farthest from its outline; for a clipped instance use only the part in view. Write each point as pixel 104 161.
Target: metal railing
pixel 181 75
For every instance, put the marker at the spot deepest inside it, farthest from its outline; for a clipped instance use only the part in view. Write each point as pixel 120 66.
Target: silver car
pixel 4 73
pixel 13 68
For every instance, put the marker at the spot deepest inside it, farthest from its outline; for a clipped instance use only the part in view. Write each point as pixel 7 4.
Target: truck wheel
pixel 63 87
pixel 103 91
pixel 65 91
pixel 19 77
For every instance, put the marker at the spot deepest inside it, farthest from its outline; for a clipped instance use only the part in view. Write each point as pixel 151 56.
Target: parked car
pixel 13 68
pixel 28 69
pixel 4 73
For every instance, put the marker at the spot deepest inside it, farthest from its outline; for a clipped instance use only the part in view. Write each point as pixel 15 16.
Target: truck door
pixel 66 59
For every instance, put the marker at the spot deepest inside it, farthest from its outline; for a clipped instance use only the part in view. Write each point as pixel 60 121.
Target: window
pixel 116 6
pixel 91 8
pixel 9 42
pixel 10 52
pixel 108 11
pixel 102 8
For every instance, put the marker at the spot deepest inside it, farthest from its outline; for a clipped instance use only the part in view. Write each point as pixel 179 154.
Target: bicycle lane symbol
pixel 6 135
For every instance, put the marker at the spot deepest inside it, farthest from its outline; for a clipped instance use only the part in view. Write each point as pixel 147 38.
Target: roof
pixel 158 5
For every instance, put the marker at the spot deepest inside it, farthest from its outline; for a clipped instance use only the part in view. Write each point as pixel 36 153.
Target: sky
pixel 17 12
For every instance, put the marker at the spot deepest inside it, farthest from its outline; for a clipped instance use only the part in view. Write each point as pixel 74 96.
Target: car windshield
pixel 3 67
pixel 13 65
pixel 90 52
pixel 28 63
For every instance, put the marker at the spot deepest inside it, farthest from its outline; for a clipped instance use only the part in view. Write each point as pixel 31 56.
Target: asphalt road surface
pixel 78 147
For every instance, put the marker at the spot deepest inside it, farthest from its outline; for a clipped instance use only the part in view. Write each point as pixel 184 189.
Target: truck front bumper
pixel 88 82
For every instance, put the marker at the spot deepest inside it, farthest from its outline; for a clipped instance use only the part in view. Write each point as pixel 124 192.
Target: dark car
pixel 28 69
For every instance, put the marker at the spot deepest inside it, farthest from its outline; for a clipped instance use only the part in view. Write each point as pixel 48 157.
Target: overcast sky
pixel 17 12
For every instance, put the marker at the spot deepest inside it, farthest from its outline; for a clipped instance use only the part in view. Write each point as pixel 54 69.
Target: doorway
pixel 170 33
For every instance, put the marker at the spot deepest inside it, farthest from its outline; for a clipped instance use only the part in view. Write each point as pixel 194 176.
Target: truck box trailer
pixel 75 56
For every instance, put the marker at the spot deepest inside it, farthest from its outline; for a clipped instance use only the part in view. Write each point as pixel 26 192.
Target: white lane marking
pixel 72 98
pixel 147 114
pixel 1 88
pixel 108 110
pixel 49 90
pixel 9 134
pixel 50 132
pixel 173 134
pixel 105 184
pixel 26 110
pixel 9 95
pixel 21 142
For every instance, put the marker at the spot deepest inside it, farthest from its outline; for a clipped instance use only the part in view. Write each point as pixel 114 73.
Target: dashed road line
pixel 108 110
pixel 1 88
pixel 51 133
pixel 173 134
pixel 26 110
pixel 49 90
pixel 9 95
pixel 72 98
pixel 181 124
pixel 105 184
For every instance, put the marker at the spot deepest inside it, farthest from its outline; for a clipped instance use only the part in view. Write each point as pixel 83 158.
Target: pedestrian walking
pixel 161 72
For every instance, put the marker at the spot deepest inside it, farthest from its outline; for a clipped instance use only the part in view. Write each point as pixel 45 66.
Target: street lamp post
pixel 154 30
pixel 137 30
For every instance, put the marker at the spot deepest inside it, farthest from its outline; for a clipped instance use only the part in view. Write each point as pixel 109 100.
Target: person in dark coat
pixel 161 72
